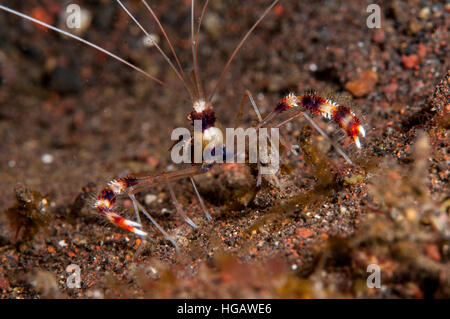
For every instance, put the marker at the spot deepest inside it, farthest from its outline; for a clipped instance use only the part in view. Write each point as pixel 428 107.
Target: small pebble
pixel 411 215
pixel 391 88
pixel 362 85
pixel 425 13
pixel 313 67
pixel 152 270
pixel 146 126
pixel 415 26
pixel 421 51
pixel 64 80
pixel 379 36
pixel 294 267
pixel 62 243
pixel 213 24
pixel 410 61
pixel 95 294
pixel 432 251
pixel 305 232
pixel 47 158
pixel 150 198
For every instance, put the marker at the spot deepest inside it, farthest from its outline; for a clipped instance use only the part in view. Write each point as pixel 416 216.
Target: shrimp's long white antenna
pixel 238 47
pixel 195 45
pixel 196 82
pixel 188 89
pixel 26 17
pixel 155 17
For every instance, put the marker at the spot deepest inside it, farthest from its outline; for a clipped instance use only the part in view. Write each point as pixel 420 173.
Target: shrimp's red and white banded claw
pixel 106 201
pixel 340 114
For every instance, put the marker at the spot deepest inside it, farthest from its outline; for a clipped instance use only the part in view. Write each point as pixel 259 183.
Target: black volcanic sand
pixel 71 119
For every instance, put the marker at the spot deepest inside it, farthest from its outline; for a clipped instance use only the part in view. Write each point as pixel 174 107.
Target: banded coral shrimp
pixel 203 110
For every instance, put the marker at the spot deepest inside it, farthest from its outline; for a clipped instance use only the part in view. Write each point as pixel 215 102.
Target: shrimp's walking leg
pixel 258 114
pixel 318 129
pixel 179 208
pixel 138 206
pixel 200 200
pixel 260 120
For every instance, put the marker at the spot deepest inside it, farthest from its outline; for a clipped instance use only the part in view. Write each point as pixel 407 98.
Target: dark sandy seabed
pixel 71 119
